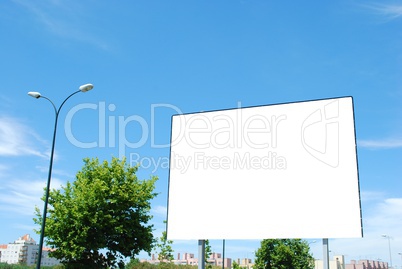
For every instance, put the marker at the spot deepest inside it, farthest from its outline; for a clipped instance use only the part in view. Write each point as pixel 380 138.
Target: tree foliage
pixel 235 265
pixel 132 263
pixel 100 218
pixel 208 252
pixel 284 254
pixel 165 247
pixel 166 265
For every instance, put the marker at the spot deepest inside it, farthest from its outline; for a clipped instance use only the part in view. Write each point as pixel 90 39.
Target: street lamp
pixel 82 88
pixel 389 247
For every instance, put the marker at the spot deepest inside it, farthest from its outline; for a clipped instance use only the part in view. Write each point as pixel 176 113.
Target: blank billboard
pixel 275 171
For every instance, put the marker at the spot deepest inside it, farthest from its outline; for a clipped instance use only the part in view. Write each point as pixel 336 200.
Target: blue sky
pixel 149 60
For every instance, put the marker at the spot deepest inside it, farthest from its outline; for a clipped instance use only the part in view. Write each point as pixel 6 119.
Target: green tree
pixel 100 218
pixel 132 263
pixel 235 265
pixel 165 247
pixel 284 254
pixel 208 252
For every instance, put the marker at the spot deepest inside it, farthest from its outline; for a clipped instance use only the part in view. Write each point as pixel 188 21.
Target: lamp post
pixel 389 247
pixel 82 88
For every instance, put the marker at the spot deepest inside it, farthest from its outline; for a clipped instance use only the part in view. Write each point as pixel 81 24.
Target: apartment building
pixel 24 250
pixel 338 262
pixel 188 258
pixel 367 264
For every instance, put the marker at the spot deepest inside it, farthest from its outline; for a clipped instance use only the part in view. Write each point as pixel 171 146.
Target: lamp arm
pixel 54 107
pixel 66 100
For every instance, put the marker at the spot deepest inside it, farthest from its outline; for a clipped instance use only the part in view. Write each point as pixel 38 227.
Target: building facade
pixel 24 250
pixel 188 258
pixel 367 264
pixel 245 263
pixel 338 262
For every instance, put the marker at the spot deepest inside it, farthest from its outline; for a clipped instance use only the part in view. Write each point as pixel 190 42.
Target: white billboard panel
pixel 275 171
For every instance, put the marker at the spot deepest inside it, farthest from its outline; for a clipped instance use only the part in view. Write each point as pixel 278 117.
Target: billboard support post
pixel 325 257
pixel 201 254
pixel 223 254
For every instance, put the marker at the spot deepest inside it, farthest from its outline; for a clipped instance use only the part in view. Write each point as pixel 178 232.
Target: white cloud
pixel 3 167
pixel 21 197
pixel 387 11
pixel 26 227
pixel 159 210
pixel 17 139
pixel 63 20
pixel 384 217
pixel 61 173
pixel 380 144
pixel 369 196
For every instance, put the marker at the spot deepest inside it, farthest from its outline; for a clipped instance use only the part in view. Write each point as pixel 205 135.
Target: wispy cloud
pixel 371 196
pixel 3 167
pixel 159 210
pixel 66 20
pixel 21 198
pixel 380 144
pixel 391 214
pixel 384 217
pixel 386 11
pixel 17 139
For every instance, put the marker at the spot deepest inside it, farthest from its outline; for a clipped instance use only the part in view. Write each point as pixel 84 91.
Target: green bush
pixel 13 266
pixel 163 265
pixel 19 266
pixel 132 265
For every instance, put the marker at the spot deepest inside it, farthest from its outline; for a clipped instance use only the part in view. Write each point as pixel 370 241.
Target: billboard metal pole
pixel 223 254
pixel 201 254
pixel 325 257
